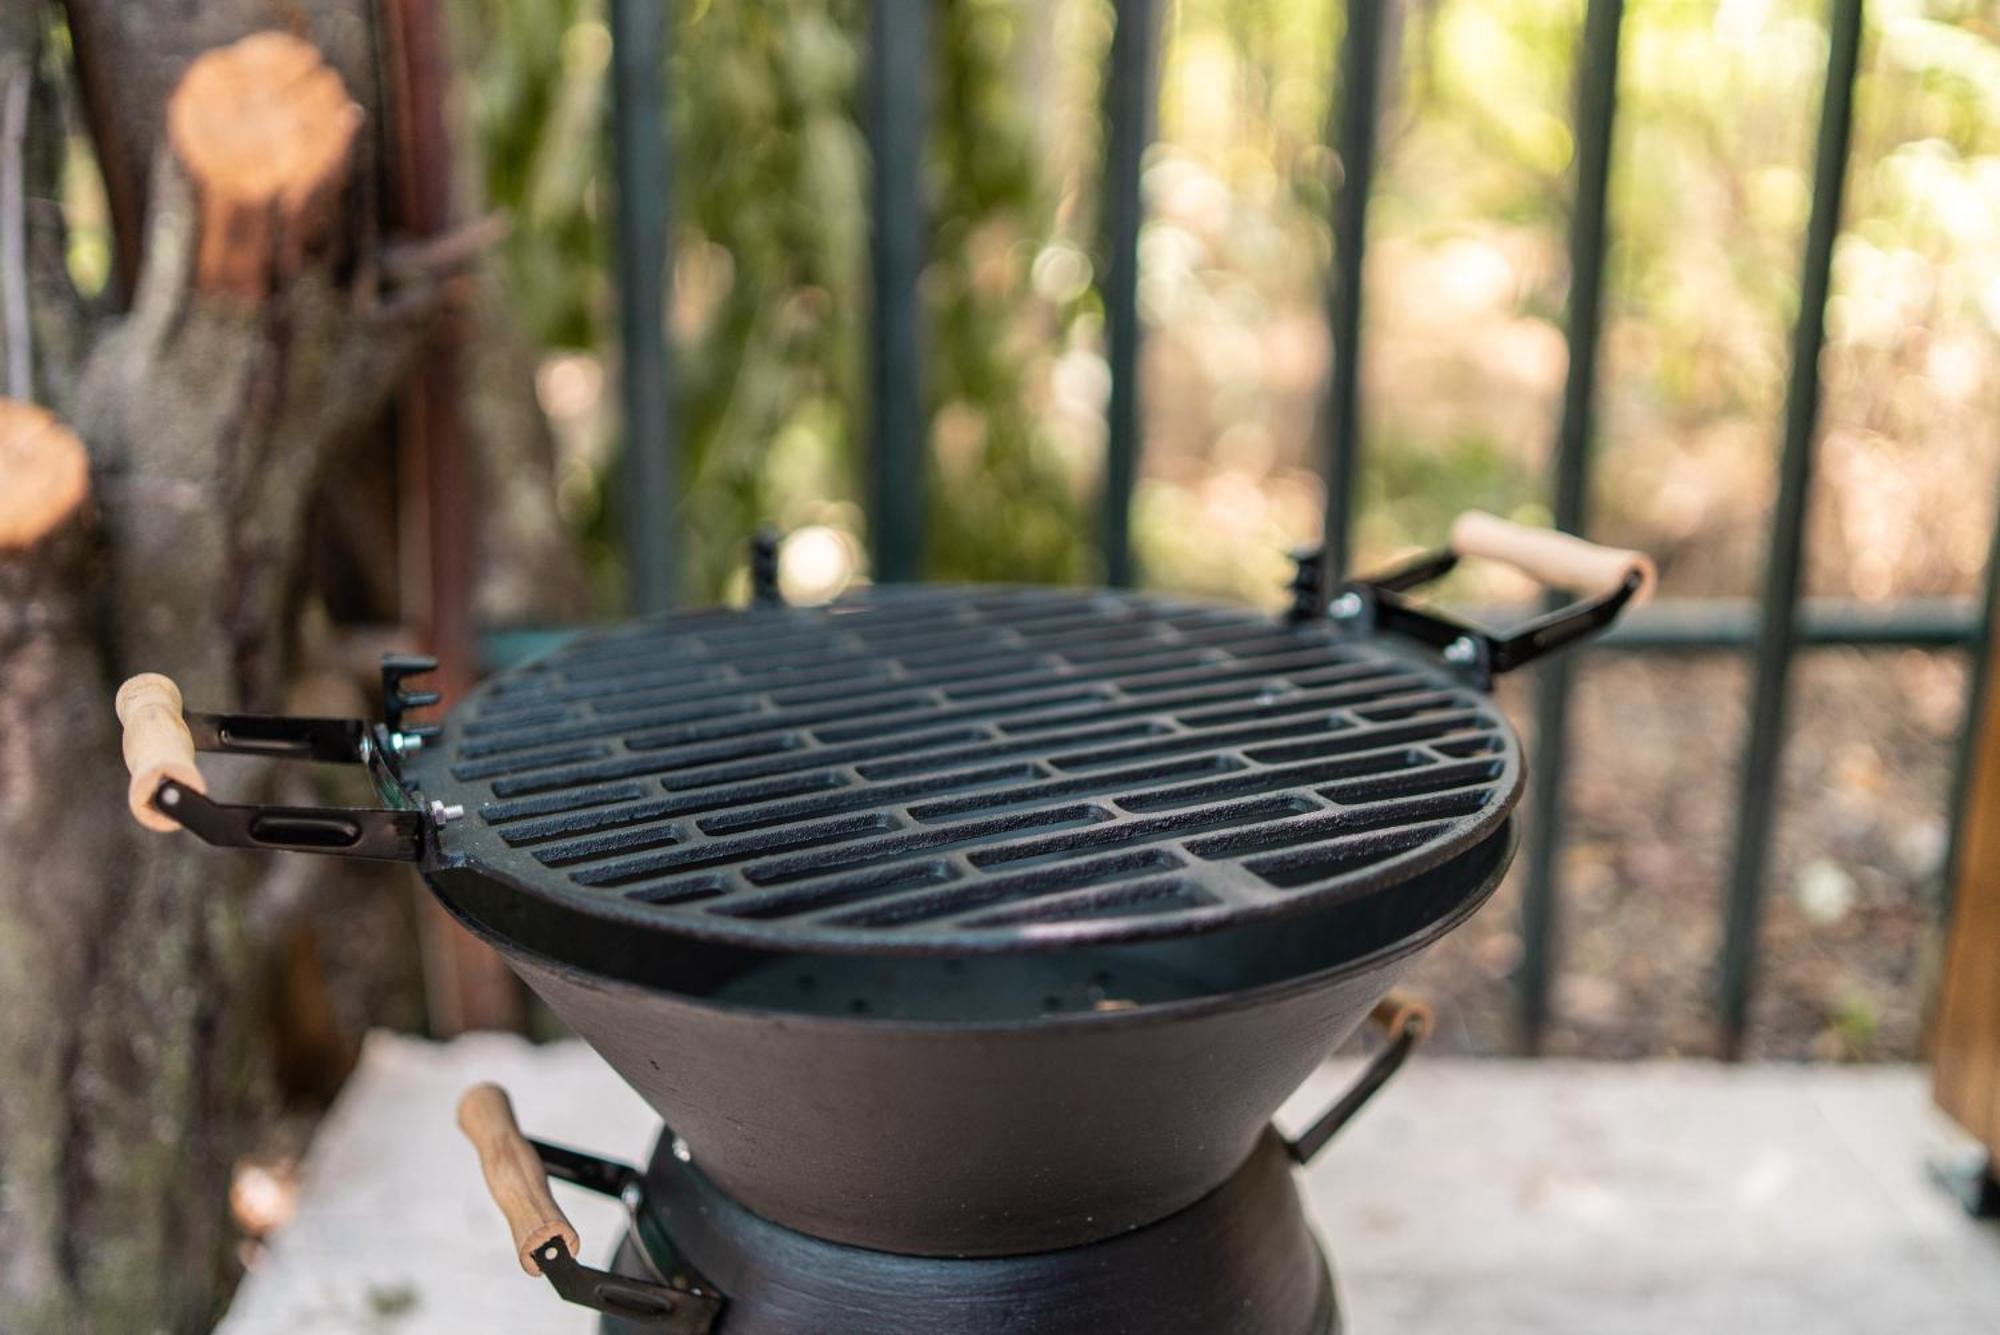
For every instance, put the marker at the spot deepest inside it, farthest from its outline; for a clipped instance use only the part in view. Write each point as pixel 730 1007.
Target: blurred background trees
pixel 1711 181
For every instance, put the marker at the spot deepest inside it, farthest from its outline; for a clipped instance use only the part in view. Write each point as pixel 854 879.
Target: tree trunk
pixel 266 331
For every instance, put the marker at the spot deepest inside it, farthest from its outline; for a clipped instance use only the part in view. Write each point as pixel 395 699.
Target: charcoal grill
pixel 980 930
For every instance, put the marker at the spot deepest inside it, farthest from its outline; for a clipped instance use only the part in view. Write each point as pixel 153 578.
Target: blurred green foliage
pixel 1463 359
pixel 770 302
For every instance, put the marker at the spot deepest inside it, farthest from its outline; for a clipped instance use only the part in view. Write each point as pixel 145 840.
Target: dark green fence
pixel 900 70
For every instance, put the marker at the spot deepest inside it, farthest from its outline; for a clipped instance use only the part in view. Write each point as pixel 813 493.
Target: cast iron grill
pixel 919 770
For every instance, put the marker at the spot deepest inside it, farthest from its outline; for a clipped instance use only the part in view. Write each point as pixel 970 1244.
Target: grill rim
pixel 1488 864
pixel 613 908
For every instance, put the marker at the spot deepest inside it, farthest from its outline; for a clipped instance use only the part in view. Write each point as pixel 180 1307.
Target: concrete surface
pixel 1474 1198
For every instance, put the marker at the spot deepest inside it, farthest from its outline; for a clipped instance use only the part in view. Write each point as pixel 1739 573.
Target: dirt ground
pixel 1853 901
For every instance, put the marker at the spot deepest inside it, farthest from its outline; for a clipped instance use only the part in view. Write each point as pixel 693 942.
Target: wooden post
pixel 1965 1037
pixel 466 985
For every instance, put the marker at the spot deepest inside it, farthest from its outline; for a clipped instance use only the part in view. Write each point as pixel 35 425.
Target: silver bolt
pixel 404 744
pixel 445 815
pixel 171 798
pixel 1346 607
pixel 1461 652
pixel 681 1151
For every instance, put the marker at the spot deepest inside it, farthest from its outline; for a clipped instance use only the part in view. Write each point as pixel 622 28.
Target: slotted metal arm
pixel 335 740
pixel 356 832
pixel 1467 645
pixel 167 790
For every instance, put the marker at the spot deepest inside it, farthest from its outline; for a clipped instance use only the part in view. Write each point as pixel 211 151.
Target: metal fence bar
pixel 1695 625
pixel 642 164
pixel 1596 107
pixel 1680 625
pixel 897 116
pixel 1778 634
pixel 1360 111
pixel 1128 128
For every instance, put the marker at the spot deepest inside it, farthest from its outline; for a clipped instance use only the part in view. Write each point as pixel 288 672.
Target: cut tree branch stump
pixel 46 471
pixel 59 838
pixel 265 130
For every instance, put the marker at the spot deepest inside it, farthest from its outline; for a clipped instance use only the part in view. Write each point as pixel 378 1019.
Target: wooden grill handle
pixel 1398 1011
pixel 1560 560
pixel 514 1174
pixel 157 745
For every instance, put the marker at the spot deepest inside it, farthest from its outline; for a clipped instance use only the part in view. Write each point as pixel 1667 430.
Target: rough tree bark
pixel 263 335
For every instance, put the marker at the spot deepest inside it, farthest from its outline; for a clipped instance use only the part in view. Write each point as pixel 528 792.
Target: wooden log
pixel 54 900
pixel 265 130
pixel 46 471
pixel 134 1021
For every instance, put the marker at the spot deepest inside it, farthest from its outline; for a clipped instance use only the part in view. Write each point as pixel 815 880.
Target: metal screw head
pixel 1346 607
pixel 1461 652
pixel 405 744
pixel 445 815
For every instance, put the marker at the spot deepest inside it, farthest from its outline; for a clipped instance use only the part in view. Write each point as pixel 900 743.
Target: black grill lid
pixel 925 770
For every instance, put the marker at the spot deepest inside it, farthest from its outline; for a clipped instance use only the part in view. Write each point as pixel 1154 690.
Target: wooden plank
pixel 466 985
pixel 1965 1038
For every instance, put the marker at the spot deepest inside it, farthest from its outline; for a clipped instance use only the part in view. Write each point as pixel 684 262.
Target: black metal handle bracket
pixel 1405 1023
pixel 392 833
pixel 356 832
pixel 1377 604
pixel 681 1304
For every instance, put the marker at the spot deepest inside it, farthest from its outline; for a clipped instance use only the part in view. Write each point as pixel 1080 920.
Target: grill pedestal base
pixel 1242 1260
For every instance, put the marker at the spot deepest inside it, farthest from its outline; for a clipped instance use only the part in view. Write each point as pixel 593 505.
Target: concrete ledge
pixel 1474 1198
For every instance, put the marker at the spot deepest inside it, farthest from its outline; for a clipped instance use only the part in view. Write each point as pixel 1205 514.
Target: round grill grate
pixel 938 769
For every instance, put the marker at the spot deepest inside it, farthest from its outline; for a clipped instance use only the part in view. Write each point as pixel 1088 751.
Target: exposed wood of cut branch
pixel 130 57
pixel 46 474
pixel 265 130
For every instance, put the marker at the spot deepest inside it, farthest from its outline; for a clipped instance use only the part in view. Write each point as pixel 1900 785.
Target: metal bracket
pixel 355 832
pixel 1969 1176
pixel 394 833
pixel 764 590
pixel 396 701
pixel 1377 604
pixel 681 1304
pixel 337 740
pixel 1406 1022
